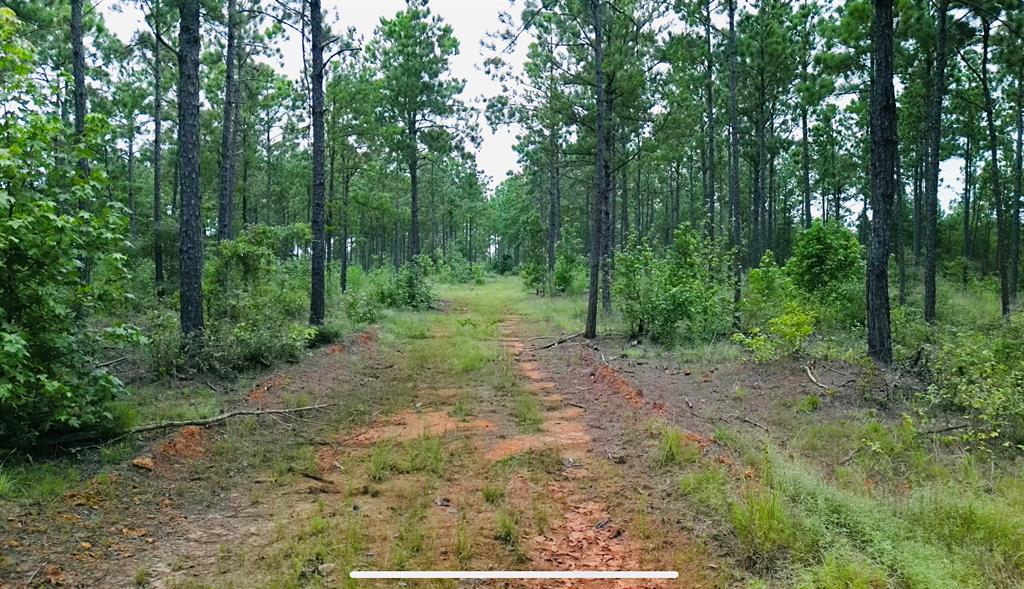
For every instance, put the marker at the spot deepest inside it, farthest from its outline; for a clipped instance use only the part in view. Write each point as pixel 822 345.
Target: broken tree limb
pixel 108 437
pixel 222 417
pixel 811 376
pixel 556 342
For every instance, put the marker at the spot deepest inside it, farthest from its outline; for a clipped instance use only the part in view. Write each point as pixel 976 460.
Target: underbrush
pixel 895 512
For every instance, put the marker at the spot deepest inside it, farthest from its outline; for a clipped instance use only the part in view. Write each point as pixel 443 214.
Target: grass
pixel 809 404
pixel 527 412
pixel 421 455
pixel 34 482
pixel 506 522
pixel 674 449
pixel 493 494
pixel 764 528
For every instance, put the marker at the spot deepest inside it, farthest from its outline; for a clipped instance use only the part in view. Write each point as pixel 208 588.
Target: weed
pixel 528 413
pixel 382 462
pixel 809 404
pixel 507 527
pixel 493 494
pixel 762 525
pixel 424 454
pixel 675 449
pixel 706 486
pixel 463 543
pixel 141 577
pixel 117 453
pixel 844 571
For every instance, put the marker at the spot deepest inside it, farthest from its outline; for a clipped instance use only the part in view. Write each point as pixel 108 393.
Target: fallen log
pixel 113 436
pixel 557 342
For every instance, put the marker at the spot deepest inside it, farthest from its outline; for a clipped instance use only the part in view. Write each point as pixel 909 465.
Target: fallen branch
pixel 556 342
pixel 219 418
pixel 811 376
pixel 754 423
pixel 113 362
pixel 947 429
pixel 110 437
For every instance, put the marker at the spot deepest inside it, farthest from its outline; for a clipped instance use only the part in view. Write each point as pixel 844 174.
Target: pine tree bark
pixel 133 218
pixel 346 181
pixel 883 182
pixel 316 282
pixel 805 165
pixel 1002 247
pixel 734 168
pixel 601 169
pixel 931 191
pixel 190 232
pixel 226 180
pixel 711 157
pixel 968 181
pixel 158 213
pixel 1018 194
pixel 78 73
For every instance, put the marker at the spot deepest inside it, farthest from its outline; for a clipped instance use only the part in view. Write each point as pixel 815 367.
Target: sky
pixel 471 21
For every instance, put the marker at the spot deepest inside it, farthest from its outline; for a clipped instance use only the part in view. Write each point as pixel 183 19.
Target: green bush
pixel 359 307
pixel 786 334
pixel 982 375
pixel 568 264
pixel 656 291
pixel 405 288
pixel 769 289
pixel 56 226
pixel 825 256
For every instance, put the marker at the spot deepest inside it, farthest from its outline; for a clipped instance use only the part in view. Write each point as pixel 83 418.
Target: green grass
pixel 763 526
pixel 506 522
pixel 707 486
pixel 527 412
pixel 493 494
pixel 674 449
pixel 809 404
pixel 32 482
pixel 423 455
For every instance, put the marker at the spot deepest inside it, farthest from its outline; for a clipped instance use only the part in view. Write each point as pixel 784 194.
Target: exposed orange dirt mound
pixel 609 377
pixel 189 442
pixel 409 425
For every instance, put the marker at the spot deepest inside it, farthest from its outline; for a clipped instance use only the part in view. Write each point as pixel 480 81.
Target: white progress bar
pixel 514 574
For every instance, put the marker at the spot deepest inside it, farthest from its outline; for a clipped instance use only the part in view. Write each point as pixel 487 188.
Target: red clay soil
pixel 409 425
pixel 586 538
pixel 187 442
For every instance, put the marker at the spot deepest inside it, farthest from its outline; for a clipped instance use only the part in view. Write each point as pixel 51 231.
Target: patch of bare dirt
pixel 409 425
pixel 586 539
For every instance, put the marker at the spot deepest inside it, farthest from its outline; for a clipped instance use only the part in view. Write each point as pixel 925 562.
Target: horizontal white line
pixel 514 574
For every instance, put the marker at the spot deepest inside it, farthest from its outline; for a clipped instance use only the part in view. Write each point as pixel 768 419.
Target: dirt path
pixel 457 446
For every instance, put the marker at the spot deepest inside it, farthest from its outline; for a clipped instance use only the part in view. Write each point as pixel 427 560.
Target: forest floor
pixel 458 441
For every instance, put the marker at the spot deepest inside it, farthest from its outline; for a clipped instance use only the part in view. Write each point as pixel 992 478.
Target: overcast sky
pixel 471 21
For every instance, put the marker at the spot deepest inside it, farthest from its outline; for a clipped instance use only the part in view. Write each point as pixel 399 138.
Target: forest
pixel 740 300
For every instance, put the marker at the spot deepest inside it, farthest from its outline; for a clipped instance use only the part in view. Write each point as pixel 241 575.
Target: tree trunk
pixel 346 180
pixel 883 182
pixel 316 282
pixel 190 232
pixel 805 164
pixel 711 156
pixel 158 213
pixel 966 205
pixel 553 228
pixel 1002 246
pixel 133 216
pixel 1018 194
pixel 930 203
pixel 734 167
pixel 226 181
pixel 601 170
pixel 414 204
pixel 78 73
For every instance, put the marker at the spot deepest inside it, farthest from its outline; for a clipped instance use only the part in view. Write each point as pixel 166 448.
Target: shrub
pixel 786 334
pixel 406 288
pixel 56 226
pixel 359 307
pixel 769 289
pixel 825 256
pixel 982 375
pixel 567 264
pixel 656 291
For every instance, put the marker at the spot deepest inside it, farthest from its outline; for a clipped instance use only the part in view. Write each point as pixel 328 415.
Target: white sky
pixel 471 21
